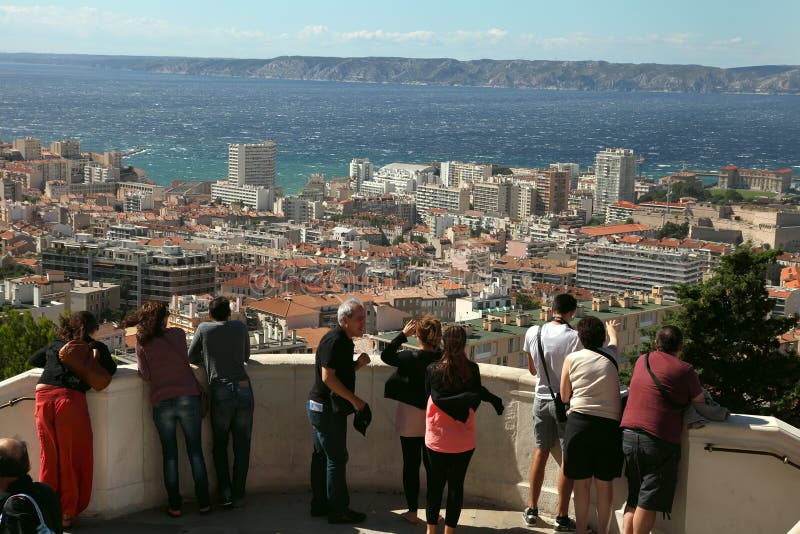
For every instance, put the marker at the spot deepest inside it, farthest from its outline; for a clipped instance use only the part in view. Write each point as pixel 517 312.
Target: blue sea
pixel 184 123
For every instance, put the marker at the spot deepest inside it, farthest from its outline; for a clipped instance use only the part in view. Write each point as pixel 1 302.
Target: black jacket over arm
pixel 457 403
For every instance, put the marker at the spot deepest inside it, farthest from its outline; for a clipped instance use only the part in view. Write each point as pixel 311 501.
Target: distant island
pixel 560 75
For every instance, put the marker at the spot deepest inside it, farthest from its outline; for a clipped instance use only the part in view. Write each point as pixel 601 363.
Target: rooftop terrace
pixel 719 491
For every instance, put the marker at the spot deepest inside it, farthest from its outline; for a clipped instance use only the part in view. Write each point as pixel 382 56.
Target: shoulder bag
pixel 561 407
pixel 78 357
pixel 42 528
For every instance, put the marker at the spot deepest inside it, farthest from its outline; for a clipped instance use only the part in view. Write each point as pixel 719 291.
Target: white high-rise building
pixel 458 174
pixel 360 171
pixel 615 178
pixel 252 164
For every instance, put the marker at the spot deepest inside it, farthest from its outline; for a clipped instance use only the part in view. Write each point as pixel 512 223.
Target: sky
pixel 707 32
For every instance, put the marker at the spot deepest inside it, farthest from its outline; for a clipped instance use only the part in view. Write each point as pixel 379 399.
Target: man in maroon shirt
pixel 661 388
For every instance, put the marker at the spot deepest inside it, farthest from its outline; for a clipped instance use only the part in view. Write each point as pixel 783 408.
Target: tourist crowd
pixel 579 403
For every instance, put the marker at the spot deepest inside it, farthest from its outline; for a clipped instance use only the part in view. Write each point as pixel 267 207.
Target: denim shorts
pixel 651 467
pixel 546 428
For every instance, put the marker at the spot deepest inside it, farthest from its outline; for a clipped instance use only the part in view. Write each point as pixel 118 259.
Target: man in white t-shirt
pixel 557 340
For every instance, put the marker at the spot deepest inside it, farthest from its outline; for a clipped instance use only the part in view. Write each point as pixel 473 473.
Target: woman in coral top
pixel 454 387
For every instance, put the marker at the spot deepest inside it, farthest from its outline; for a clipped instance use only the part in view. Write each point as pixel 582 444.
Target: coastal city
pixel 485 245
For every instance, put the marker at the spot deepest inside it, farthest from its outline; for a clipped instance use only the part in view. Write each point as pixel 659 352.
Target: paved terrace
pixel 718 491
pixel 288 513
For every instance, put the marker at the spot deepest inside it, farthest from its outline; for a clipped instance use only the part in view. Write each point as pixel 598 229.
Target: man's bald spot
pixel 11 448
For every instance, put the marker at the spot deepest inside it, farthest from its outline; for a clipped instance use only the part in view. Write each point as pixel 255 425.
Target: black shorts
pixel 651 466
pixel 592 447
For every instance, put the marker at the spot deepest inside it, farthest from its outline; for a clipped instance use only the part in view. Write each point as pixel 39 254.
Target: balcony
pixel 718 491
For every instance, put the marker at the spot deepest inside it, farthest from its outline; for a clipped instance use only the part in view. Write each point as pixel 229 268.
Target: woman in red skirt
pixel 62 417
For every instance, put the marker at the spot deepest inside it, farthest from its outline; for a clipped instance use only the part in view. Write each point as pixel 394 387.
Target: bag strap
pixel 660 387
pixel 35 505
pixel 544 363
pixel 601 352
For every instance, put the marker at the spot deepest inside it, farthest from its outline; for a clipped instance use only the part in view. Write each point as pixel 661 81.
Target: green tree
pixel 671 229
pixel 397 240
pixel 20 336
pixel 526 301
pixel 732 339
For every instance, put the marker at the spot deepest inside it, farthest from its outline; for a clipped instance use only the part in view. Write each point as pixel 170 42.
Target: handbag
pixel 41 528
pixel 78 357
pixel 558 403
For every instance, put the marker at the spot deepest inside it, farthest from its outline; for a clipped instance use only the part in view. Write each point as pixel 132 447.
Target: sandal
pixel 204 510
pixel 174 513
pixel 67 521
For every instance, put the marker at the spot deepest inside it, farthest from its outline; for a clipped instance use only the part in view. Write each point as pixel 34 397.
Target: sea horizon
pixel 183 123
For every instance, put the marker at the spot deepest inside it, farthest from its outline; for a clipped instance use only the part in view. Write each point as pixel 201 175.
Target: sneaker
pixel 348 516
pixel 531 516
pixel 564 524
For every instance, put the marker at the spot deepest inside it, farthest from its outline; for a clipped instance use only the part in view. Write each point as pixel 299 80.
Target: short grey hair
pixel 347 308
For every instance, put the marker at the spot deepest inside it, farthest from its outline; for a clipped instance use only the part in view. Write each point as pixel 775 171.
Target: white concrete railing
pixel 717 491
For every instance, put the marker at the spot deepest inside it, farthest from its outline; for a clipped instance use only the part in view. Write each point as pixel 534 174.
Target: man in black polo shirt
pixel 331 400
pixel 19 513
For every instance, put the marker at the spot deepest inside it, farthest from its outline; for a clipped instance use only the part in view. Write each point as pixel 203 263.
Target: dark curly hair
pixel 79 325
pixel 149 320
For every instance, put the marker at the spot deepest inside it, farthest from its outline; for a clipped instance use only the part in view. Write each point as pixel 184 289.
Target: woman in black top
pixel 62 417
pixel 407 386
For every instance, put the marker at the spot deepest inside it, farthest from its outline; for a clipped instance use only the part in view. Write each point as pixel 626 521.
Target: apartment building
pixel 403 177
pixel 418 301
pixel 28 177
pixel 523 200
pixel 252 164
pixel 230 192
pixel 145 273
pixel 614 268
pixel 520 273
pixel 458 174
pixel 451 199
pixel 361 170
pixel 493 199
pixel 29 147
pixel 615 176
pixel 95 297
pixel 68 148
pixel 98 173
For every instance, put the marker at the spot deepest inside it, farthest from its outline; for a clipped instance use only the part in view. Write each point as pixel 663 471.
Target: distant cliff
pixel 572 75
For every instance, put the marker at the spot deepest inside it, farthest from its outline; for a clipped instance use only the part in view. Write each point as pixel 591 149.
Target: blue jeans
pixel 167 414
pixel 232 415
pixel 329 462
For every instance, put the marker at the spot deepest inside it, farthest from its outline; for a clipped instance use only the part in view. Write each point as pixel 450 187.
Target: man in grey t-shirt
pixel 223 346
